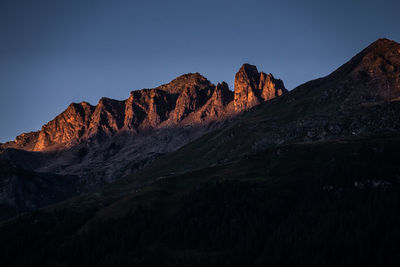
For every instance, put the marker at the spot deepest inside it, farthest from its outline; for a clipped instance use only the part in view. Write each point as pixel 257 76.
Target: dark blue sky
pixel 53 53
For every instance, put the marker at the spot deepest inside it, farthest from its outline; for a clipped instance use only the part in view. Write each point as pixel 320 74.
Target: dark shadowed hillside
pixel 319 204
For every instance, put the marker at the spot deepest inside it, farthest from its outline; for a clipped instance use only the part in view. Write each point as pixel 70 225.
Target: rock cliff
pixel 253 88
pixel 187 100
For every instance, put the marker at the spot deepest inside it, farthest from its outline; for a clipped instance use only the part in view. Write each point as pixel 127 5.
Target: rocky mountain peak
pixel 374 73
pixel 247 72
pixel 381 44
pixel 382 55
pixel 253 88
pixel 67 127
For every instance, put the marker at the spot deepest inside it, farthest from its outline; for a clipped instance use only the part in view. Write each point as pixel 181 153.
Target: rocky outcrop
pixel 187 100
pixel 25 141
pixel 146 108
pixel 219 103
pixel 107 118
pixel 253 88
pixel 270 87
pixel 66 128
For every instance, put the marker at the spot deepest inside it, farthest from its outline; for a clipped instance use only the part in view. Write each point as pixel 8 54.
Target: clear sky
pixel 56 52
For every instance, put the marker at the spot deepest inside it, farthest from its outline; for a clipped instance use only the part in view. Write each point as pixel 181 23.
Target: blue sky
pixel 53 53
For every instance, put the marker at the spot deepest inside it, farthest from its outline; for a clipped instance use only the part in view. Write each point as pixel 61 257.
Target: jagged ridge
pixel 187 100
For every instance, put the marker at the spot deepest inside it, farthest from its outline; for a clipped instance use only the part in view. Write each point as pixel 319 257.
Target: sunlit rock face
pixel 146 108
pixel 253 88
pixel 25 140
pixel 107 118
pixel 270 87
pixel 66 128
pixel 189 99
pixel 218 104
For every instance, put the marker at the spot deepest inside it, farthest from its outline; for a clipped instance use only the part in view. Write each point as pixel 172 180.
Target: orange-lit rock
pixel 270 87
pixel 66 128
pixel 253 88
pixel 187 100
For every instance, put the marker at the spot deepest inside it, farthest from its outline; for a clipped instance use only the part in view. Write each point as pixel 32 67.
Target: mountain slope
pixel 23 190
pixel 341 104
pixel 102 143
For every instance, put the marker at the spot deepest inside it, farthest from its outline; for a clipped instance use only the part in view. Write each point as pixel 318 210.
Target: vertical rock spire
pixel 253 88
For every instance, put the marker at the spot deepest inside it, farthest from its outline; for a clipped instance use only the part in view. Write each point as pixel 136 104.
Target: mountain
pixel 188 100
pixel 115 138
pixel 320 111
pixel 309 178
pixel 348 102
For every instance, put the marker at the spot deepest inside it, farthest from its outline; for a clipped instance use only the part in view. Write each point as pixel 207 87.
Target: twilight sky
pixel 53 53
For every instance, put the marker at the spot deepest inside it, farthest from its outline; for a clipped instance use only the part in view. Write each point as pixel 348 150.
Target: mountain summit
pixel 253 87
pixel 374 73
